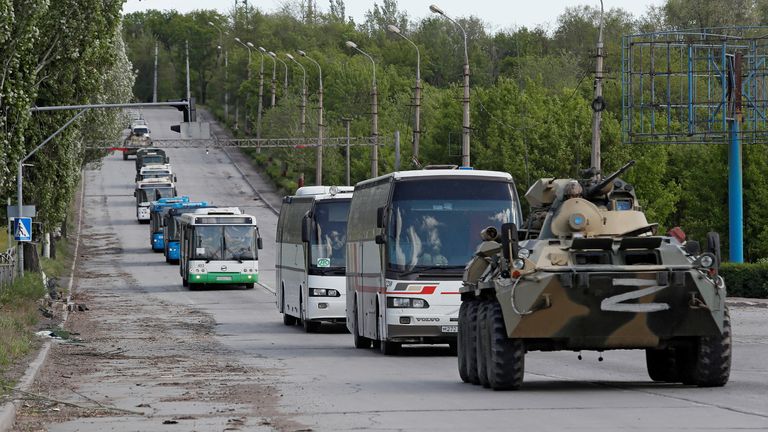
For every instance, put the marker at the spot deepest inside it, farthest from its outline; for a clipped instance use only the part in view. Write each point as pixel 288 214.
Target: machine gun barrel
pixel 594 190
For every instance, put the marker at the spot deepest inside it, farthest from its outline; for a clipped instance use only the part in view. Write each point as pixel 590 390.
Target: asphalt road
pixel 327 384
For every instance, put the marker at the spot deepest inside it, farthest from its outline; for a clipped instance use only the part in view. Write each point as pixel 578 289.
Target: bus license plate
pixel 223 278
pixel 450 329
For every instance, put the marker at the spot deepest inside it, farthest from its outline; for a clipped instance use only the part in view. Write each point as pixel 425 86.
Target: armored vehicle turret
pixel 587 271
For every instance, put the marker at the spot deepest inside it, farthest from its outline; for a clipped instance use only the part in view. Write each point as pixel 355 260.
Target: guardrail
pixel 7 268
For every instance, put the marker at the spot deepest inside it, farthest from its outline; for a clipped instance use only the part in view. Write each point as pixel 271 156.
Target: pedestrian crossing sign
pixel 22 229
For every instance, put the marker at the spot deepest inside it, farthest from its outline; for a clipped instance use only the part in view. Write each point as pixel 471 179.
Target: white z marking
pixel 616 303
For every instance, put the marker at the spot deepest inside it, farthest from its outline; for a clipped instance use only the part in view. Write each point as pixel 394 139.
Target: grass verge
pixel 18 317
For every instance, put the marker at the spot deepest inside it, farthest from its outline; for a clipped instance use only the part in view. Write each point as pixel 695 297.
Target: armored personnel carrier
pixel 588 272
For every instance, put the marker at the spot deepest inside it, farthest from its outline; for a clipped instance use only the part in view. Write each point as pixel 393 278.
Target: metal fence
pixel 7 268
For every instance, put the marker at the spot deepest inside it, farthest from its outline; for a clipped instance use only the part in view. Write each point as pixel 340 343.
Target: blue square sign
pixel 22 229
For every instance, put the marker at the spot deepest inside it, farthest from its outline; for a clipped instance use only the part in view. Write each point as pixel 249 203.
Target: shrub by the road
pixel 746 280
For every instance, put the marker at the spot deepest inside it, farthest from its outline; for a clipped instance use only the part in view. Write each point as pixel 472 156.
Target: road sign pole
pixel 19 194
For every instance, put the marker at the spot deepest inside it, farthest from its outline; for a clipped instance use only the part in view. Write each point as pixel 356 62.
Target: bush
pixel 746 280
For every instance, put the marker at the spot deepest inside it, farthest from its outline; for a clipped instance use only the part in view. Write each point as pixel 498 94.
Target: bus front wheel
pixel 360 341
pixel 184 282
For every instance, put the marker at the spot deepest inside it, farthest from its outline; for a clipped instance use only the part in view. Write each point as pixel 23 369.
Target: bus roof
pixel 323 190
pixel 155 167
pixel 154 183
pixel 167 202
pixel 437 173
pixel 195 218
pixel 219 211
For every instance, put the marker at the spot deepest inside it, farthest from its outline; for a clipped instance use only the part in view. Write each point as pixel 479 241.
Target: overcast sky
pixel 498 14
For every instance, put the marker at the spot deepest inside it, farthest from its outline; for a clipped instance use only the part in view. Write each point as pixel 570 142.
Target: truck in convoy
pixel 409 236
pixel 156 211
pixel 138 137
pixel 171 227
pixel 219 246
pixel 149 156
pixel 311 262
pixel 151 190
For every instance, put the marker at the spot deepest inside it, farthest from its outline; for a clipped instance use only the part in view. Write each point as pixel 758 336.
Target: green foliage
pixel 530 98
pixel 18 313
pixel 65 52
pixel 746 280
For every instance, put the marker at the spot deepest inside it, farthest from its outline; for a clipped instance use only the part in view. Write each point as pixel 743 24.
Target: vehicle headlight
pixel 518 264
pixel 323 292
pixel 524 253
pixel 407 302
pixel 707 260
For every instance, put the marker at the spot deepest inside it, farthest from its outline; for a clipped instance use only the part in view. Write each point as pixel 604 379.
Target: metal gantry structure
pixel 699 87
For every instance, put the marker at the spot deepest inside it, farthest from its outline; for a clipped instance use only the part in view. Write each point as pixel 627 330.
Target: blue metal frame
pixel 156 207
pixel 171 248
pixel 700 109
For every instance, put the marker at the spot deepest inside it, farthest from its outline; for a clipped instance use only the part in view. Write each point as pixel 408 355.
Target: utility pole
pixel 598 104
pixel 346 121
pixel 154 83
pixel 189 94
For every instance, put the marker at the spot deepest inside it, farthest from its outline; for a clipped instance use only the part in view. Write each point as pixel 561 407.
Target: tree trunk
pixel 31 257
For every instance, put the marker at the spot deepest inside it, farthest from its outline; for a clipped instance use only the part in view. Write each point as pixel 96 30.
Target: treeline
pixel 63 52
pixel 530 103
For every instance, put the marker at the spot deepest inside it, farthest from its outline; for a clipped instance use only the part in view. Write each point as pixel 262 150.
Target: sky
pixel 497 14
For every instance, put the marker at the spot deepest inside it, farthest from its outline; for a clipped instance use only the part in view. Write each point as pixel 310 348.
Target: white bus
pixel 163 171
pixel 311 236
pixel 409 236
pixel 150 190
pixel 218 246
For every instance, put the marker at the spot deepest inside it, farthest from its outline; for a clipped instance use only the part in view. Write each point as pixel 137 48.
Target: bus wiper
pixel 330 270
pixel 420 269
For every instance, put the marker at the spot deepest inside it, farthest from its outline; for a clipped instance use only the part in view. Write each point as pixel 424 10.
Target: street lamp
pixel 303 94
pixel 226 71
pixel 374 114
pixel 319 151
pixel 416 93
pixel 247 46
pixel 285 81
pixel 465 125
pixel 274 71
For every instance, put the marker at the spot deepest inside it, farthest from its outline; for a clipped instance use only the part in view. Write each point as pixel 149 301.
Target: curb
pixel 9 409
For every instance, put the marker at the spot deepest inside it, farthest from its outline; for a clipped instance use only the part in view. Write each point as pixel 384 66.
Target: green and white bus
pixel 219 246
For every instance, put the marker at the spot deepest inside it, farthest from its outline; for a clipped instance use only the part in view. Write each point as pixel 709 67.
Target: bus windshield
pixel 225 242
pixel 152 159
pixel 329 236
pixel 170 228
pixel 435 224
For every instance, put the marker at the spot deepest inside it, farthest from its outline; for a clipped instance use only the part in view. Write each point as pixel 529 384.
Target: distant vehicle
pixel 138 137
pixel 164 171
pixel 311 263
pixel 219 246
pixel 151 157
pixel 171 227
pixel 156 210
pixel 409 236
pixel 151 190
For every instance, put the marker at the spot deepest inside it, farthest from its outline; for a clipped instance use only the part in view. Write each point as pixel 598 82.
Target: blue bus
pixel 156 209
pixel 171 231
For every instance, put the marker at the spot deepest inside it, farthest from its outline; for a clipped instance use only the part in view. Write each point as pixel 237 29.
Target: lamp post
pixel 416 93
pixel 247 46
pixel 226 71
pixel 274 71
pixel 285 81
pixel 374 114
pixel 303 94
pixel 465 124
pixel 319 151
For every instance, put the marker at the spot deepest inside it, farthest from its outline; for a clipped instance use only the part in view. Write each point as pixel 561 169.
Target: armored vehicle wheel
pixel 462 341
pixel 471 345
pixel 360 341
pixel 506 365
pixel 708 364
pixel 390 348
pixel 662 365
pixel 482 343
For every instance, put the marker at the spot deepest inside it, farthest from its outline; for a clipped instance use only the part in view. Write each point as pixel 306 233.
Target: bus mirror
pixel 380 212
pixel 380 239
pixel 306 229
pixel 509 246
pixel 259 243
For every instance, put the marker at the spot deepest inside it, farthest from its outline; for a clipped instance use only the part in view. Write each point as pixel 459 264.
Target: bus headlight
pixel 407 302
pixel 323 292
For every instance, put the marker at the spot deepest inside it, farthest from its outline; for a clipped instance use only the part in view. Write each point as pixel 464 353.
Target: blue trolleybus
pixel 156 209
pixel 171 227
